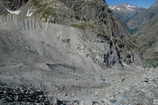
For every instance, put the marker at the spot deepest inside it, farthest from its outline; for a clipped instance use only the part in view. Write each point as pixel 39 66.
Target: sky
pixel 139 3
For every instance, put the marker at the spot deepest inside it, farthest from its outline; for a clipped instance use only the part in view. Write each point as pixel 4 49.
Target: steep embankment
pixel 48 57
pixel 53 58
pixel 89 16
pixel 92 16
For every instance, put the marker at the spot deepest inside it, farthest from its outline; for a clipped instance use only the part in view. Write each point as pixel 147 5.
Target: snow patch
pixel 130 9
pixel 18 11
pixel 13 12
pixel 130 6
pixel 118 8
pixel 133 6
pixel 112 7
pixel 29 13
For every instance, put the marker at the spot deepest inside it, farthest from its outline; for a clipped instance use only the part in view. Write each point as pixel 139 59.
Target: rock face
pixel 90 16
pixel 14 4
pixel 49 57
pixel 2 9
pixel 125 12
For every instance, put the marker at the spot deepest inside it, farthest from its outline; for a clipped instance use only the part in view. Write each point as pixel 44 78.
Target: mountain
pixel 102 22
pixel 70 52
pixel 147 35
pixel 137 22
pixel 125 12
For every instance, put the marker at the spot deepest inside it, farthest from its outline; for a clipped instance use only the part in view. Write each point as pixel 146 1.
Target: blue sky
pixel 140 3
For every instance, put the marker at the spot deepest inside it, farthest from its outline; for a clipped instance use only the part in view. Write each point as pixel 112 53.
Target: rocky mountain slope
pixel 146 29
pixel 125 12
pixel 147 35
pixel 2 9
pixel 102 22
pixel 137 22
pixel 70 52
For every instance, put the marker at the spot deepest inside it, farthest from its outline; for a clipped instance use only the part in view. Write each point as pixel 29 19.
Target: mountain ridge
pixel 137 22
pixel 147 35
pixel 126 11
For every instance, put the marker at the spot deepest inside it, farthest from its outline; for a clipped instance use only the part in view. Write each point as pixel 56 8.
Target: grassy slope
pixel 148 41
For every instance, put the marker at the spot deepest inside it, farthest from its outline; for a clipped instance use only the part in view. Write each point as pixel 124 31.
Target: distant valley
pixel 126 12
pixel 142 23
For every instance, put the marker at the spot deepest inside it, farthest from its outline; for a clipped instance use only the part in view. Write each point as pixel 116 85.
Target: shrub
pixel 83 26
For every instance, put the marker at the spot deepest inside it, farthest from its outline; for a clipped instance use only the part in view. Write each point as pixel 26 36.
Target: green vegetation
pixel 49 12
pixel 132 44
pixel 133 31
pixel 149 44
pixel 135 42
pixel 36 3
pixel 83 26
pixel 45 13
pixel 151 15
pixel 152 62
pixel 155 54
pixel 151 23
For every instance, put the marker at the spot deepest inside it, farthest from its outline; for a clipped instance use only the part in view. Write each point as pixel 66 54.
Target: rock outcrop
pixel 3 10
pixel 14 4
pixel 90 16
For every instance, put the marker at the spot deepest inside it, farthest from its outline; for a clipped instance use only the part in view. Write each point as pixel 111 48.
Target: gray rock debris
pixel 22 96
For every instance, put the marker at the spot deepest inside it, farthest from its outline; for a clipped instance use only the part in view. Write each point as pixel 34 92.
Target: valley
pixel 144 31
